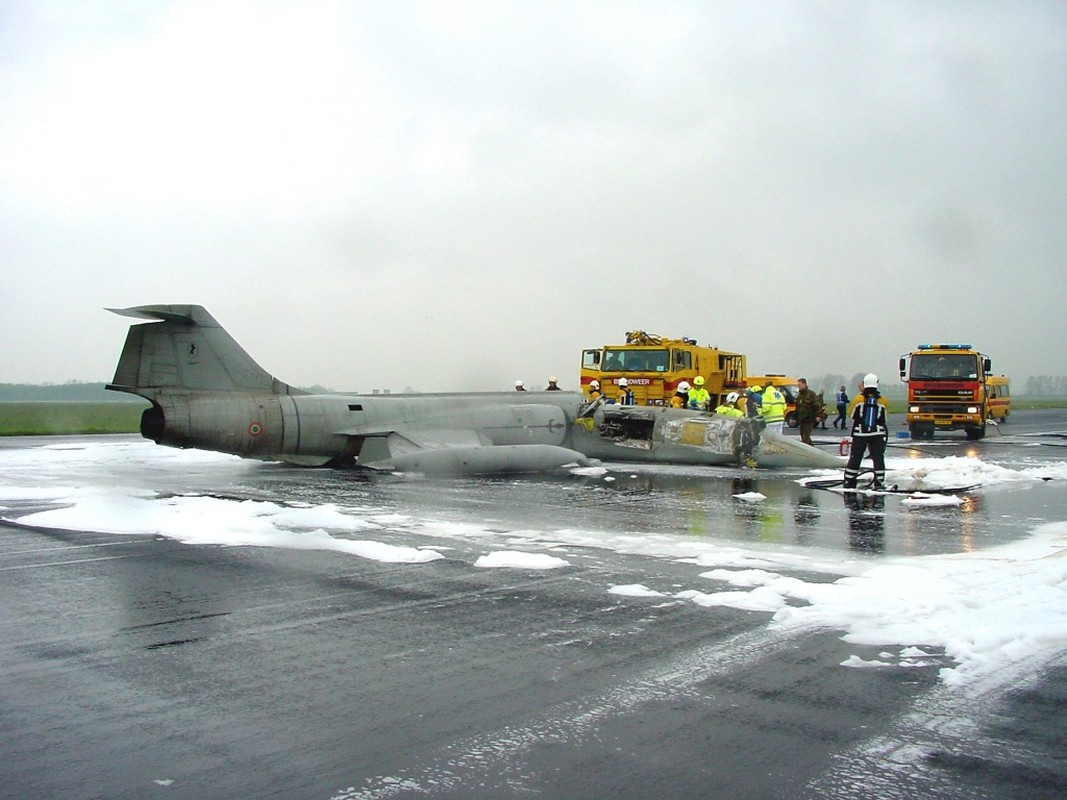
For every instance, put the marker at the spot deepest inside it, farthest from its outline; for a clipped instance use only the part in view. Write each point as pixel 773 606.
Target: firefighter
pixel 729 408
pixel 519 387
pixel 626 394
pixel 699 399
pixel 772 408
pixel 870 432
pixel 594 390
pixel 552 387
pixel 681 395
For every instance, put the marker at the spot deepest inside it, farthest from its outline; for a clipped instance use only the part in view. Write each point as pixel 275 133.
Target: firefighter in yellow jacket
pixel 773 408
pixel 699 397
pixel 729 408
pixel 681 395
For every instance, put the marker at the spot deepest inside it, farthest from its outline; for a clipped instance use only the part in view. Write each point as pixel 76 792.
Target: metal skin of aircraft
pixel 206 392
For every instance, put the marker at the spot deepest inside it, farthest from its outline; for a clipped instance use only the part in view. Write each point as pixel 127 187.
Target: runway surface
pixel 185 625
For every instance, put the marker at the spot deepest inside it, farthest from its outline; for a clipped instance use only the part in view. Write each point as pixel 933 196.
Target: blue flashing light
pixel 945 347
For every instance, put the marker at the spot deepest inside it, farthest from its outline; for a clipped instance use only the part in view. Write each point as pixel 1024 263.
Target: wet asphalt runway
pixel 135 666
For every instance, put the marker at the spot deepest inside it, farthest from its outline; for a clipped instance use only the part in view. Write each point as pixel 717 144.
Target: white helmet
pixel 732 397
pixel 623 382
pixel 594 385
pixel 870 381
pixel 683 386
pixel 518 383
pixel 551 378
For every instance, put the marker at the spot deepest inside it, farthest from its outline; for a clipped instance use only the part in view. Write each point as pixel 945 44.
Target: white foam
pixel 975 612
pixel 517 560
pixel 634 590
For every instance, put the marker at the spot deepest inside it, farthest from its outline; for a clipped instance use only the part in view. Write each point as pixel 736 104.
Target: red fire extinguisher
pixel 844 447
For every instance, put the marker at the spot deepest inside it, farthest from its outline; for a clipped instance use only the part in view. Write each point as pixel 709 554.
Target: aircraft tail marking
pixel 186 349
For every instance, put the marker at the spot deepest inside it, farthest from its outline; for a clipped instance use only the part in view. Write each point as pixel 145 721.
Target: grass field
pixel 43 418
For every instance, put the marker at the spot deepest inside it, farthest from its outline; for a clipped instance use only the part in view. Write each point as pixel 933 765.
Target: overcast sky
pixel 453 195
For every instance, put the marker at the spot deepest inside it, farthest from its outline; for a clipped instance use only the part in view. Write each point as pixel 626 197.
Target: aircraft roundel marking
pixel 255 429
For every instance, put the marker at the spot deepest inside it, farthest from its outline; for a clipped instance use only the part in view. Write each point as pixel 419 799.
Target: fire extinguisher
pixel 844 447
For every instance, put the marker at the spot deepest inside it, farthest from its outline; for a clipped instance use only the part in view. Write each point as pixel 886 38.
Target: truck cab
pixel 653 366
pixel 946 389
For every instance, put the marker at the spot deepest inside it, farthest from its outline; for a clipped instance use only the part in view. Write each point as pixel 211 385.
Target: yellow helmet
pixel 698 381
pixel 755 388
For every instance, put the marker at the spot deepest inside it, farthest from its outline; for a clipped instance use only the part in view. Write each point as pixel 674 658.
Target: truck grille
pixel 944 408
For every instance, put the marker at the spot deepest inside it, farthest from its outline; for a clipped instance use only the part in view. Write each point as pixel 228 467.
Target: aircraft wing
pixel 461 452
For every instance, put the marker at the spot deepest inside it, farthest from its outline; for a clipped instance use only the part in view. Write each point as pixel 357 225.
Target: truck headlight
pixel 913 409
pixel 972 409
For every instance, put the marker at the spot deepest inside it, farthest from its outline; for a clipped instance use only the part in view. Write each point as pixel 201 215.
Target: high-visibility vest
pixel 773 408
pixel 699 398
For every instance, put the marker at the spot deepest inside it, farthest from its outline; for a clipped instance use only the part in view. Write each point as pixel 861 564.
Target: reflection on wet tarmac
pixel 866 522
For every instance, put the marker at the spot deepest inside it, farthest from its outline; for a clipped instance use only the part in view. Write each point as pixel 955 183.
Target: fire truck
pixel 653 366
pixel 946 390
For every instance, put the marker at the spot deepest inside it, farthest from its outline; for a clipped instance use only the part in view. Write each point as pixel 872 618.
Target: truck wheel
pixel 976 432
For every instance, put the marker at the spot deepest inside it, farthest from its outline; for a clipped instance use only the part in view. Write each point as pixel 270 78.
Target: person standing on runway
pixel 870 432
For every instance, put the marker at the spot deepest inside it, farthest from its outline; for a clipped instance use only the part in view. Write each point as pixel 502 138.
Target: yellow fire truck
pixel 653 366
pixel 947 390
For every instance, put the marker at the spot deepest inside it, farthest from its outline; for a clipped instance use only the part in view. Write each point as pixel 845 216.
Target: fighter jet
pixel 206 392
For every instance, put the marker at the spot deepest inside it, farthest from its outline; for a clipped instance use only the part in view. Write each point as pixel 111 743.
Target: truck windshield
pixel 944 367
pixel 629 360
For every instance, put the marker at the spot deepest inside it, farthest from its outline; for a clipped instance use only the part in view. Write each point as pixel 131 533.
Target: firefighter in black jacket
pixel 870 432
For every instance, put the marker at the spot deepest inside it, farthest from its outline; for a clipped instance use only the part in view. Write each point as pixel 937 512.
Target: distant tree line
pixel 70 392
pixel 76 392
pixel 1045 386
pixel 88 392
pixel 889 385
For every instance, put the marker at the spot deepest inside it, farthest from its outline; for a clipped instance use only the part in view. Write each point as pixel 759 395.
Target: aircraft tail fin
pixel 186 349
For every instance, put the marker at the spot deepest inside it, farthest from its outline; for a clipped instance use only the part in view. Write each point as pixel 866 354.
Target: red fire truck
pixel 946 389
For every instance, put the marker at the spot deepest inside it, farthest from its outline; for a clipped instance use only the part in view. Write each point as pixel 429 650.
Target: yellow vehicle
pixel 653 366
pixel 998 397
pixel 787 385
pixel 947 389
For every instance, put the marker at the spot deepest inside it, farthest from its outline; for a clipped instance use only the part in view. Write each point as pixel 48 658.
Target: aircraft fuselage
pixel 208 393
pixel 324 428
